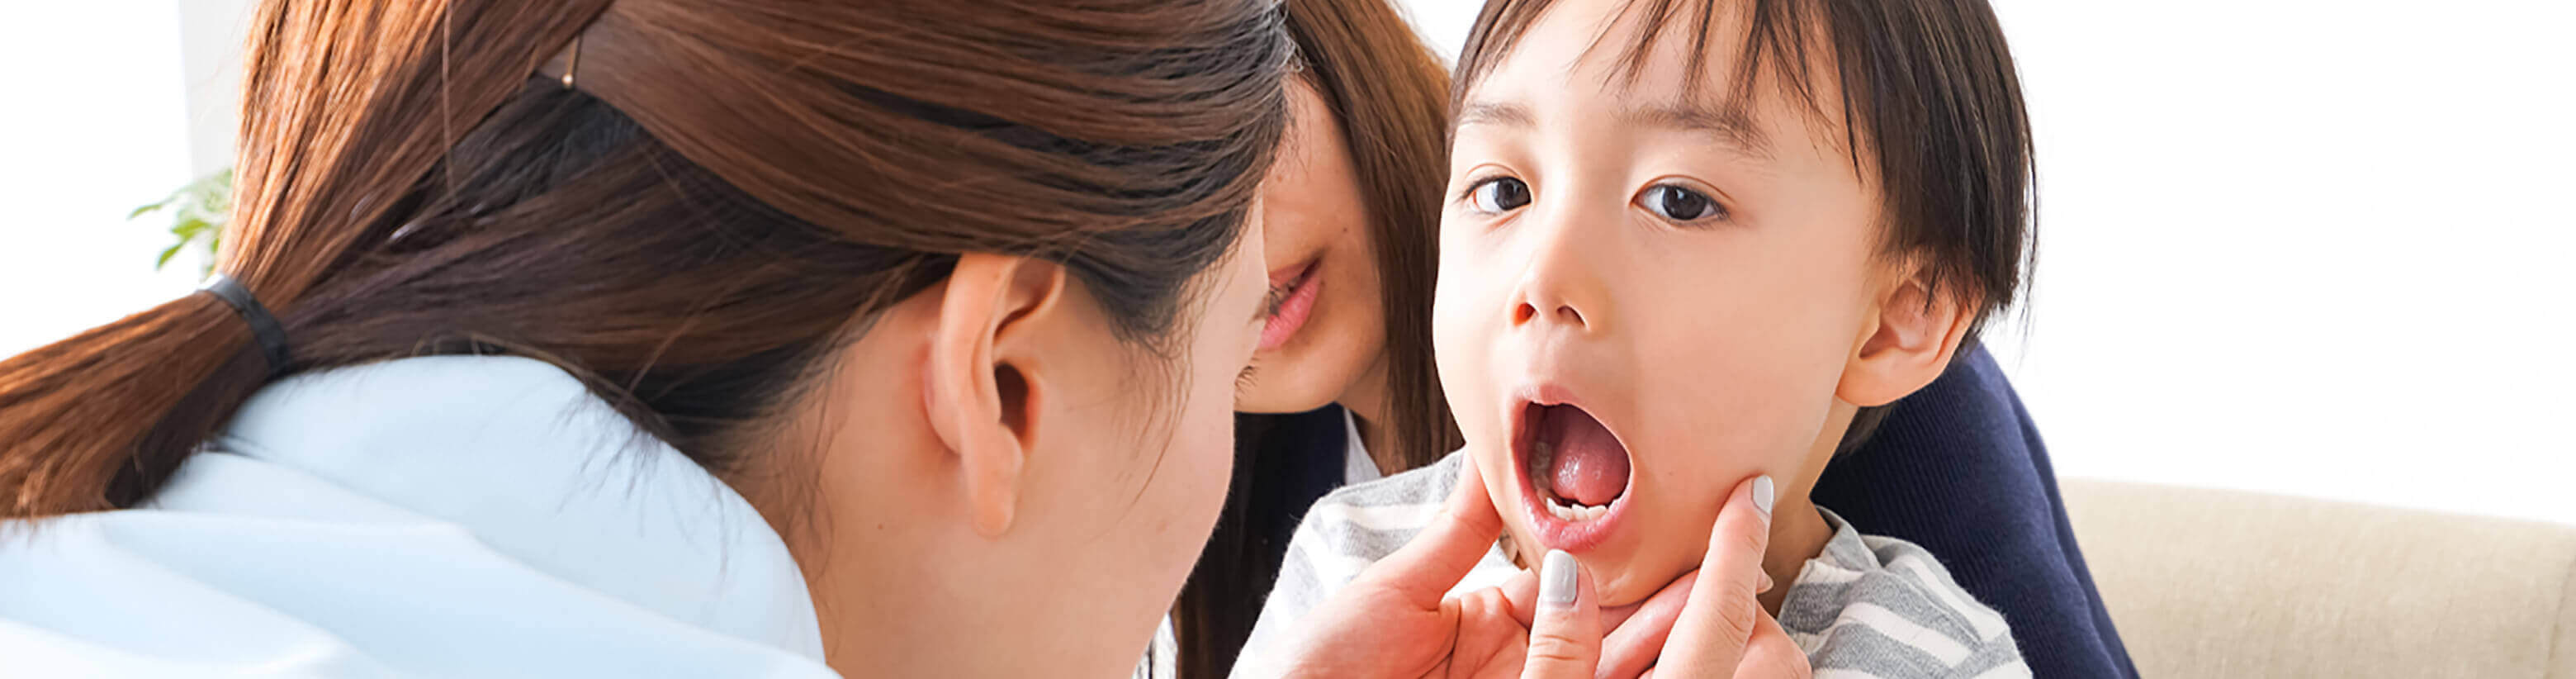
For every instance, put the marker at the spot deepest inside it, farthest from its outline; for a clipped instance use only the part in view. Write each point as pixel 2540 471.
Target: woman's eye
pixel 1500 194
pixel 1680 204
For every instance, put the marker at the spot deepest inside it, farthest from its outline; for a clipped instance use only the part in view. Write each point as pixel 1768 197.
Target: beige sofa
pixel 2207 583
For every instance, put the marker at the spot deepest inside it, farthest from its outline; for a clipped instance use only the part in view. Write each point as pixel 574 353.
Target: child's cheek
pixel 1671 543
pixel 1495 466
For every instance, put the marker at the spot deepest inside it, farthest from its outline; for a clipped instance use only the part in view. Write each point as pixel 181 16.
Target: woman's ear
pixel 1910 335
pixel 985 384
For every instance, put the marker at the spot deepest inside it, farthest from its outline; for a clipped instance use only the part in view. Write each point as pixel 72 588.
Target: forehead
pixel 1705 64
pixel 1310 123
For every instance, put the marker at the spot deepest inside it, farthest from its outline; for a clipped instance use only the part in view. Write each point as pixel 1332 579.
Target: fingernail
pixel 1766 584
pixel 1556 579
pixel 1762 494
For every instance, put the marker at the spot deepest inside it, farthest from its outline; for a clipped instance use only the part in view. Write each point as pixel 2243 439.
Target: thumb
pixel 1565 637
pixel 1425 568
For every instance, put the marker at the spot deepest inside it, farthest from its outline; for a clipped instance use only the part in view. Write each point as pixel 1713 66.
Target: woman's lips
pixel 1302 285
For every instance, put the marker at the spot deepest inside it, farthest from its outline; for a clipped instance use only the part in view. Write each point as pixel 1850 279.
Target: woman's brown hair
pixel 1389 93
pixel 729 190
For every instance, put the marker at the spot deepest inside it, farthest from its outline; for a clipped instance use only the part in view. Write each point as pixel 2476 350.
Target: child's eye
pixel 1499 194
pixel 1680 204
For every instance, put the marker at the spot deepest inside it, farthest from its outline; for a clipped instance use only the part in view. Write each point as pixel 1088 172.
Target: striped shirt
pixel 1868 606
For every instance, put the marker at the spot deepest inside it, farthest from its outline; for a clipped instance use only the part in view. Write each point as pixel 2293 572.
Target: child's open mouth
pixel 1576 471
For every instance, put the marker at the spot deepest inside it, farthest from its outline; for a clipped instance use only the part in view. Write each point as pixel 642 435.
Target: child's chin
pixel 1621 579
pixel 1615 579
pixel 1621 585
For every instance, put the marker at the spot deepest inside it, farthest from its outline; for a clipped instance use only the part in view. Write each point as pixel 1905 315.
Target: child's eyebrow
pixel 1730 126
pixel 1496 113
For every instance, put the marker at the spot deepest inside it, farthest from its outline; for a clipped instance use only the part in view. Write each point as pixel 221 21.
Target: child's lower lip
pixel 1572 536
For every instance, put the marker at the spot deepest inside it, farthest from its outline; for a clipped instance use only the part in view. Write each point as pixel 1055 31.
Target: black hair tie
pixel 264 327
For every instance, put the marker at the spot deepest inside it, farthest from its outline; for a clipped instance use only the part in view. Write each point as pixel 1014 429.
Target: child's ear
pixel 1906 342
pixel 986 382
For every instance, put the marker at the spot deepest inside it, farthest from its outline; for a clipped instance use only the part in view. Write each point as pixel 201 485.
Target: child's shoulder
pixel 1367 521
pixel 1429 483
pixel 1339 536
pixel 1886 606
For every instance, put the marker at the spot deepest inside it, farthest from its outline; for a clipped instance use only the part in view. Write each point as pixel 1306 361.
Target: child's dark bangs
pixel 1779 40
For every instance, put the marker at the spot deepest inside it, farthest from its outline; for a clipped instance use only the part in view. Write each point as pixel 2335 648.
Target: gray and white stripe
pixel 1869 606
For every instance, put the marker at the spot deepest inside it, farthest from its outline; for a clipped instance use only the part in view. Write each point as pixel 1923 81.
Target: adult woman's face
pixel 1327 330
pixel 1003 486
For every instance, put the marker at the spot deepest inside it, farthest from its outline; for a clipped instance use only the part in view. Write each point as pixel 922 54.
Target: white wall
pixel 211 36
pixel 94 125
pixel 2303 247
pixel 2307 246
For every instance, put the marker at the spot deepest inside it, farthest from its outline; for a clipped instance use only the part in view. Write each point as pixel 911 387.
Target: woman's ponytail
pixel 96 421
pixel 99 421
pixel 690 227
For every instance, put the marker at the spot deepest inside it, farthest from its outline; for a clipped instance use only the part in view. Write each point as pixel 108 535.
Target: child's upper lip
pixel 1551 377
pixel 1560 375
pixel 1555 392
pixel 1547 393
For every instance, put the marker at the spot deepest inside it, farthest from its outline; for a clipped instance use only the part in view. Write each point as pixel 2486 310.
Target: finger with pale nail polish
pixel 1565 642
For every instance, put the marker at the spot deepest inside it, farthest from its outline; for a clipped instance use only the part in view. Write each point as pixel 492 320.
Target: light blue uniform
pixel 439 516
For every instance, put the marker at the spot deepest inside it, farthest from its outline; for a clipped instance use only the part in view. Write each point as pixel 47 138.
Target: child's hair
pixel 1927 86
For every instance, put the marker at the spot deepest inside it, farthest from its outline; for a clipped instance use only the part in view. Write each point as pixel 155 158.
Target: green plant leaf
pixel 198 212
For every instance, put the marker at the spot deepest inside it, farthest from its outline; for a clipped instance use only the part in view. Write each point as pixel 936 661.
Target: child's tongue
pixel 1590 465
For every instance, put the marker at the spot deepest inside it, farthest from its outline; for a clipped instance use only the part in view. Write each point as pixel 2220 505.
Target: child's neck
pixel 1798 533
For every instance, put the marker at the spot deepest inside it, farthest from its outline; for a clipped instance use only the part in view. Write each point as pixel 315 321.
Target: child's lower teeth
pixel 1568 511
pixel 1542 459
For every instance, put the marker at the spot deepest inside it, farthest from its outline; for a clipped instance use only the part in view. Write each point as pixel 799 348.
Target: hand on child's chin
pixel 1634 633
pixel 1395 620
pixel 1637 634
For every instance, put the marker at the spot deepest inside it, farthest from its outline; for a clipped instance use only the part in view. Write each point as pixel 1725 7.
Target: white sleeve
pixel 1298 590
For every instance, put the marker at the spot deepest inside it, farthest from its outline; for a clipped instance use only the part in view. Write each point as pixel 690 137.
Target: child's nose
pixel 1564 313
pixel 1562 286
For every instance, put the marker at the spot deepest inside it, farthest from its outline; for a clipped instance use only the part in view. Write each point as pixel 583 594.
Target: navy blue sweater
pixel 1957 468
